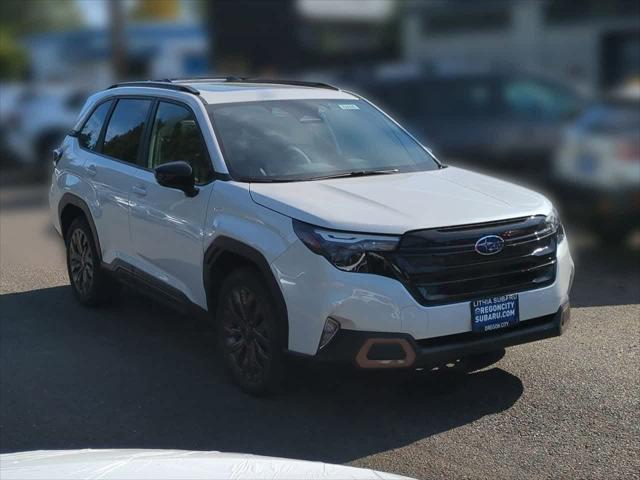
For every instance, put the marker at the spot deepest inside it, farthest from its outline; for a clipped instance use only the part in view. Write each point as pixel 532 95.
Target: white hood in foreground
pixel 401 202
pixel 169 464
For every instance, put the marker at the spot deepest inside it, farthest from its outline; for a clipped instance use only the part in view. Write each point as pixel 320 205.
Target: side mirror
pixel 177 175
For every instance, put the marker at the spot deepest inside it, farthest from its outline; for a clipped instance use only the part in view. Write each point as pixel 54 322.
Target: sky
pixel 93 11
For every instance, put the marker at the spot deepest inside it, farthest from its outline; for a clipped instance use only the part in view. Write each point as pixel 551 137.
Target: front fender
pixel 233 214
pixel 237 225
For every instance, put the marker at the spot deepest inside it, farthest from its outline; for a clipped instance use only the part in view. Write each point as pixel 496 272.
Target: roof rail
pixel 227 78
pixel 234 79
pixel 170 83
pixel 296 83
pixel 166 84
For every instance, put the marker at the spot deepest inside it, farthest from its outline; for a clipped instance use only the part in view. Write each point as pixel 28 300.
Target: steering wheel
pixel 298 151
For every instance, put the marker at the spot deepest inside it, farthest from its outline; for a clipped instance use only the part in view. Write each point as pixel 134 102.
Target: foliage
pixel 13 58
pixel 33 16
pixel 23 17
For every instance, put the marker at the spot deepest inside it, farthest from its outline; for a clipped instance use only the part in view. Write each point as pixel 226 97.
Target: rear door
pixel 166 225
pixel 112 171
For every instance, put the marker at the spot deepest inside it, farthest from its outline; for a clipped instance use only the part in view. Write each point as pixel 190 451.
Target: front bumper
pixel 315 290
pixel 386 350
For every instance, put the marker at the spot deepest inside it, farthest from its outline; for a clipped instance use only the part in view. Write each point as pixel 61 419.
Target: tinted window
pixel 176 137
pixel 122 139
pixel 88 136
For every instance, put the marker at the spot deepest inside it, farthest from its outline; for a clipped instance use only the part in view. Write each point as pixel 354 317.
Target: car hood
pixel 401 202
pixel 170 464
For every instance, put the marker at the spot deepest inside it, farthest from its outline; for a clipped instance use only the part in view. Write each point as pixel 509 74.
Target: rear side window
pixel 88 136
pixel 124 131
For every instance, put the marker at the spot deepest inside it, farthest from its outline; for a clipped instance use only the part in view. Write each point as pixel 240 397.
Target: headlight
pixel 553 224
pixel 351 252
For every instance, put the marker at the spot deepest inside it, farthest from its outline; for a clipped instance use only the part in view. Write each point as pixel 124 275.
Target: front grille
pixel 442 266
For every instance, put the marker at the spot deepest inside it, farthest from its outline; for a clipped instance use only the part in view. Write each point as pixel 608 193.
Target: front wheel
pixel 248 333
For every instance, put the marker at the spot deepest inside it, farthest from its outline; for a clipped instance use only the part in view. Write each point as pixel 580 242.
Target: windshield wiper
pixel 356 173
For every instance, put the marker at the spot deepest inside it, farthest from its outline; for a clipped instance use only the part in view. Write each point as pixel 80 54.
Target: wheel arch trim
pixel 74 200
pixel 224 244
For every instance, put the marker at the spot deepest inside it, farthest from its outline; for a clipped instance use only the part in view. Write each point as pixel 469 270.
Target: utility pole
pixel 117 40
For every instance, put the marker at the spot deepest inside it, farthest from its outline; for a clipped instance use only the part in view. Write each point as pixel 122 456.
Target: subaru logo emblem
pixel 489 245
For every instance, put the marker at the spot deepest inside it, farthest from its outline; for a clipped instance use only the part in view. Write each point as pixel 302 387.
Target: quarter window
pixel 88 136
pixel 176 137
pixel 124 131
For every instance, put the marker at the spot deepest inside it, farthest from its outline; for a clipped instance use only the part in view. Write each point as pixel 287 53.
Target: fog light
pixel 329 331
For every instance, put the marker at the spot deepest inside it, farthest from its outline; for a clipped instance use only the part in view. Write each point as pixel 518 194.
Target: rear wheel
pixel 248 333
pixel 91 285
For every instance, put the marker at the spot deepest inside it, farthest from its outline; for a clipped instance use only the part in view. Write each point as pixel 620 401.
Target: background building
pixel 590 42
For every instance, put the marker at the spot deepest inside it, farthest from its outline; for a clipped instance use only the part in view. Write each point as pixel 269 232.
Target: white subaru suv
pixel 303 220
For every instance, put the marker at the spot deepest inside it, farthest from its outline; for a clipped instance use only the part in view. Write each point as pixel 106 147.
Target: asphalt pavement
pixel 136 375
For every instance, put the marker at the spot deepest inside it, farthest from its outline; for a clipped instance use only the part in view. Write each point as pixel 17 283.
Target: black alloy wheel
pixel 82 263
pixel 248 333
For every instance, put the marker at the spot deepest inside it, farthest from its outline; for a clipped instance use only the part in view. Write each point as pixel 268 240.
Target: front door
pixel 167 227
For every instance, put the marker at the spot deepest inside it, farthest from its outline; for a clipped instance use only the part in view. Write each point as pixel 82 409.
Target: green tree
pixel 33 16
pixel 23 17
pixel 13 58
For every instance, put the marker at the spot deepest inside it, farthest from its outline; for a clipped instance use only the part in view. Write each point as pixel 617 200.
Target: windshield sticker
pixel 349 106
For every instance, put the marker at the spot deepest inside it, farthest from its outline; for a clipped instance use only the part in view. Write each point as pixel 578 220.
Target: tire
pixel 248 333
pixel 91 284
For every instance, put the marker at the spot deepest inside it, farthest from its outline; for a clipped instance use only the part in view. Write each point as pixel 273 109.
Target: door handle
pixel 140 191
pixel 91 170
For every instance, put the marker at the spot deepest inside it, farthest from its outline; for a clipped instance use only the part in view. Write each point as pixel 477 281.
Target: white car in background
pixel 597 168
pixel 39 121
pixel 11 98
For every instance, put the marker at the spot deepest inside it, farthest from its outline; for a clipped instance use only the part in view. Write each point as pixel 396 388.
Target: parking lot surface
pixel 136 375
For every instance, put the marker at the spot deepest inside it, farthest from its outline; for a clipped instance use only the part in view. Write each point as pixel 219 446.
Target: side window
pixel 88 135
pixel 124 131
pixel 176 137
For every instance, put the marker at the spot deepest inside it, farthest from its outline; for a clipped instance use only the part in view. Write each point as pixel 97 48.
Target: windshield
pixel 287 140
